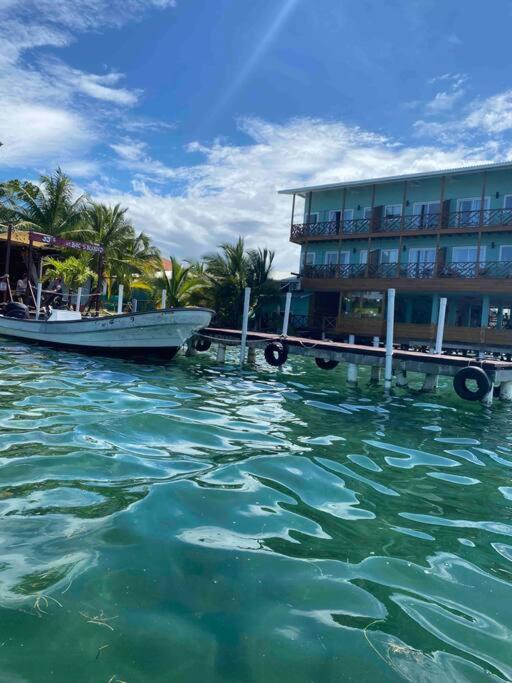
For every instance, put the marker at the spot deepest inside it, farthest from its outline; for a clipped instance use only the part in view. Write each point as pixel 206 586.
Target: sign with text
pixel 52 241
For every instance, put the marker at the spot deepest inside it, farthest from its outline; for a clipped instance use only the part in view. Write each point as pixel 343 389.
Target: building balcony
pixel 487 220
pixel 491 276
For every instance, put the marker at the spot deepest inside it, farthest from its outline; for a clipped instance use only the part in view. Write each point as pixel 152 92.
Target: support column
pixel 429 383
pixel 486 305
pixel 375 370
pixel 221 353
pixel 352 369
pixel 401 376
pixel 435 309
pixel 506 391
pixel 408 309
pixel 487 399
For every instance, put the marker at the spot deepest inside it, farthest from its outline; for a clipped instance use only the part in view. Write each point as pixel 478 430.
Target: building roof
pixel 408 176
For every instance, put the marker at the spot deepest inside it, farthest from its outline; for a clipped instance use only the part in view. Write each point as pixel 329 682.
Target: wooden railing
pixel 391 224
pixel 458 269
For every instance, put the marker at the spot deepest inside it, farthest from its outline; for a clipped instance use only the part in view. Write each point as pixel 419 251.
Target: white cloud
pixel 492 115
pixel 46 108
pixel 444 101
pixel 234 190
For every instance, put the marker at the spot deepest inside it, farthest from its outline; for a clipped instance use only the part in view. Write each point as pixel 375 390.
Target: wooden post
pixel 221 353
pixel 506 391
pixel 375 370
pixel 245 324
pixel 388 369
pixel 402 225
pixel 440 325
pixel 100 287
pixel 7 259
pixel 352 368
pixel 480 223
pixel 293 213
pixel 30 252
pixel 38 299
pixel 286 318
pixel 120 299
pixel 370 227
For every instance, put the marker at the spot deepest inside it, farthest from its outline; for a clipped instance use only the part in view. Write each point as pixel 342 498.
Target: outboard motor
pixel 16 310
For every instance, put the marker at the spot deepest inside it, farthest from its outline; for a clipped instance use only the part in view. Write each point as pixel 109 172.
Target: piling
pixel 120 300
pixel 78 298
pixel 163 302
pixel 245 323
pixel 286 313
pixel 375 370
pixel 38 299
pixel 440 325
pixel 352 368
pixel 506 391
pixel 390 320
pixel 221 353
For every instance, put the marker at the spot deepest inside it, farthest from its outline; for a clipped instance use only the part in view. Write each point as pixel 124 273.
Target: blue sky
pixel 194 112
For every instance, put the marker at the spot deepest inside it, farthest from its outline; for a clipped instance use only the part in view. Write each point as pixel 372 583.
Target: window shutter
pixel 445 213
pixel 376 219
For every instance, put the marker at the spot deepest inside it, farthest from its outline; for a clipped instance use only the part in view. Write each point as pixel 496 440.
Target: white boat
pixel 161 330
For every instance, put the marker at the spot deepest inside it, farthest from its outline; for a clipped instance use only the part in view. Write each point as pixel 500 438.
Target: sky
pixel 194 113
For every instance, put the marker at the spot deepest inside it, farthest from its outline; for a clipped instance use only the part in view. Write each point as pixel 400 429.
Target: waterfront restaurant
pixel 428 235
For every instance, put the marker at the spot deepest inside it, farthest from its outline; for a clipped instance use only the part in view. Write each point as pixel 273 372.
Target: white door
pixel 469 210
pixel 421 262
pixel 464 260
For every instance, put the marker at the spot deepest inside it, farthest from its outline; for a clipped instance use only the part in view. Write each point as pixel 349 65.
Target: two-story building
pixel 428 235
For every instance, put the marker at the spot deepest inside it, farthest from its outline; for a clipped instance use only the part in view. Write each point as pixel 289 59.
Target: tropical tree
pixel 229 271
pixel 49 207
pixel 126 253
pixel 183 287
pixel 74 271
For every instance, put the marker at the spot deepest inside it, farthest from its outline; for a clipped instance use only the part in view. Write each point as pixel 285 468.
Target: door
pixel 469 211
pixel 388 263
pixel 464 260
pixel 421 262
pixel 427 214
pixel 393 217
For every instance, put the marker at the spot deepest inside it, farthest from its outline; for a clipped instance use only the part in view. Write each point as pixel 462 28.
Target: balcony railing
pixel 387 224
pixel 459 269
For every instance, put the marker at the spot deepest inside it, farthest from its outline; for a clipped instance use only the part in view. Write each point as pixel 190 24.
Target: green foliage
pixel 184 287
pixel 49 207
pixel 74 270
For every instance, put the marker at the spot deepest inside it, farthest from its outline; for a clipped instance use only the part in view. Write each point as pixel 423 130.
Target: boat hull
pixel 159 330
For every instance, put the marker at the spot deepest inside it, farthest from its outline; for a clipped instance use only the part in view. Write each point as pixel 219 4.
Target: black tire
pixel 202 344
pixel 475 374
pixel 326 364
pixel 276 354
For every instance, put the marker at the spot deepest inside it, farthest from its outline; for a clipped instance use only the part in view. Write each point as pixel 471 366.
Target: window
pixel 469 211
pixel 363 257
pixel 428 214
pixel 367 212
pixel 392 210
pixel 421 262
pixel 309 258
pixel 389 256
pixel 507 201
pixel 464 260
pixel 313 217
pixel 331 258
pixel 506 252
pixel 335 216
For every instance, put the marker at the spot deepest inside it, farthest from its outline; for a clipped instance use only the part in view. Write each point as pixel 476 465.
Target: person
pixel 21 287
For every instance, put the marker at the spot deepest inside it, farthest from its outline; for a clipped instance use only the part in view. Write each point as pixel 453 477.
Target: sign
pixel 52 241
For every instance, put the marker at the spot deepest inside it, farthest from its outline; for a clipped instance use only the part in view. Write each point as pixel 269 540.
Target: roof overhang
pixel 397 178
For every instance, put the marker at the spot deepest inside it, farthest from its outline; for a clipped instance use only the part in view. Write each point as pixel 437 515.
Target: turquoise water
pixel 185 523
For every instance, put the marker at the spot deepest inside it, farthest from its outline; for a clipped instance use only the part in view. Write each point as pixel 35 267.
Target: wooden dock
pixel 431 365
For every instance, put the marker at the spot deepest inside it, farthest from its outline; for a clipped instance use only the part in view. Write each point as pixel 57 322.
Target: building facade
pixel 428 235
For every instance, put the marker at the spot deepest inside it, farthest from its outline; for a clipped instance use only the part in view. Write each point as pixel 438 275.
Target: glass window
pixel 367 212
pixel 309 258
pixel 506 252
pixel 313 217
pixel 363 257
pixel 393 210
pixel 464 254
pixel 389 256
pixel 422 255
pixel 507 203
pixel 331 258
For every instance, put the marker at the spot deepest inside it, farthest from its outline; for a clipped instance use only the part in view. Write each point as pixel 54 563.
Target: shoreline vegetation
pixel 131 259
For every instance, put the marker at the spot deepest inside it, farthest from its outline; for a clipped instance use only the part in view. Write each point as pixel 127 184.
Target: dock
pixel 328 353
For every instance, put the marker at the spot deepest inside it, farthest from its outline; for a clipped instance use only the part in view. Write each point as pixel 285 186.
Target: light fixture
pixel 354 250
pixel 493 245
pixel 407 203
pixel 404 248
pixel 359 207
pixel 497 195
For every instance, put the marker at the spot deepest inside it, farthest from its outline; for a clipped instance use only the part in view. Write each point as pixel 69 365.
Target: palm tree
pixel 126 253
pixel 74 271
pixel 182 287
pixel 49 207
pixel 228 272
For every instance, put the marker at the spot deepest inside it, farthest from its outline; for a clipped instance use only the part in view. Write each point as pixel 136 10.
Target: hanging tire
pixel 326 364
pixel 202 344
pixel 475 374
pixel 276 354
